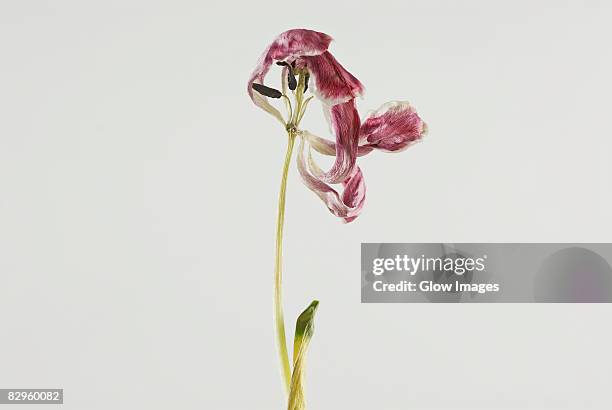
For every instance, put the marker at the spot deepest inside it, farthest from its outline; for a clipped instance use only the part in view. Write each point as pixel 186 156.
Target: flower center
pixel 294 86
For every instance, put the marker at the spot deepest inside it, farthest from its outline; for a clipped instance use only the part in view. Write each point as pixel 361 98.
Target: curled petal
pixel 327 147
pixel 346 123
pixel 349 205
pixel 393 127
pixel 290 44
pixel 333 83
pixel 354 194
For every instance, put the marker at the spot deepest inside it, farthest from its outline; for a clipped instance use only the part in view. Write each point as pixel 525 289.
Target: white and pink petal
pixel 327 147
pixel 346 125
pixel 333 84
pixel 289 45
pixel 346 206
pixel 393 127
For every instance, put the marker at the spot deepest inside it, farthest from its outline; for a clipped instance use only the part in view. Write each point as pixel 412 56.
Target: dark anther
pixel 267 91
pixel 291 80
pixel 291 75
pixel 306 78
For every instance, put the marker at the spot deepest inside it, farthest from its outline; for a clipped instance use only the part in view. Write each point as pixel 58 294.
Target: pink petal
pixel 290 44
pixel 350 204
pixel 346 123
pixel 333 83
pixel 354 194
pixel 393 127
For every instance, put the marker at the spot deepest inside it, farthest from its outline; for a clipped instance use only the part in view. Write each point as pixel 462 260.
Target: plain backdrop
pixel 138 189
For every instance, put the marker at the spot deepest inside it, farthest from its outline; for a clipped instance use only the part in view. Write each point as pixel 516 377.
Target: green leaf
pixel 304 329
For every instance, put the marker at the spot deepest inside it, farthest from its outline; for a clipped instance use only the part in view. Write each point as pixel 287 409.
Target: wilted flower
pixel 307 66
pixel 392 128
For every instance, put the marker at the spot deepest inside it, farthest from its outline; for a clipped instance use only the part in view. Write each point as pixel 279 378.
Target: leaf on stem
pixel 304 329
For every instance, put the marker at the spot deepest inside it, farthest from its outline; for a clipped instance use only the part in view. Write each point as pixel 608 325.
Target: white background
pixel 138 189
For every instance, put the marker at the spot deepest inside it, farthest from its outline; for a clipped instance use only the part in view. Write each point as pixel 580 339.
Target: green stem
pixel 278 276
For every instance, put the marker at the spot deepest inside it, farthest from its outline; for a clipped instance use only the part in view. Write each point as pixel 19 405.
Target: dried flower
pixel 391 128
pixel 308 66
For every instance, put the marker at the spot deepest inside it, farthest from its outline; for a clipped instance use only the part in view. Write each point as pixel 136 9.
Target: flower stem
pixel 278 276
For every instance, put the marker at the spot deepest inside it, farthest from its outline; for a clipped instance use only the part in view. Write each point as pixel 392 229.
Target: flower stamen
pixel 267 91
pixel 289 106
